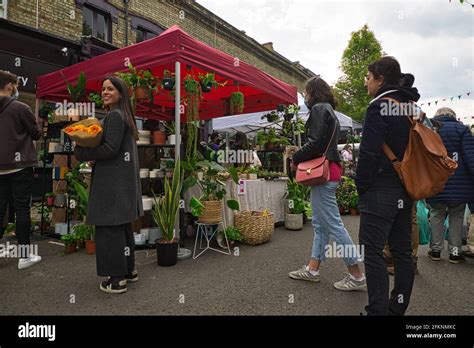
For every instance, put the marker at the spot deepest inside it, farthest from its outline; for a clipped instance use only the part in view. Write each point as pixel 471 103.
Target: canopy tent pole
pixel 177 121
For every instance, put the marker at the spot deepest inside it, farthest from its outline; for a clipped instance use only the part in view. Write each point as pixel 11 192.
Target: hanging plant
pixel 141 82
pixel 208 81
pixel 168 81
pixel 271 117
pixel 236 102
pixel 193 97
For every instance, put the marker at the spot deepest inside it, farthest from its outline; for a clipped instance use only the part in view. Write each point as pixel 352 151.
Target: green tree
pixel 350 92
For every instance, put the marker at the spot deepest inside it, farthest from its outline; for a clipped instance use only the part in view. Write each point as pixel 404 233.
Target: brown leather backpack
pixel 425 167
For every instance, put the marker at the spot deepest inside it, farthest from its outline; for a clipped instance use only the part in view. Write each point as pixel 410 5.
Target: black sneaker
pixel 114 287
pixel 132 277
pixel 434 255
pixel 456 258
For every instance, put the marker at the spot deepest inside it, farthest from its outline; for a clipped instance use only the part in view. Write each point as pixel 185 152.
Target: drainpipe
pixel 126 2
pixel 37 14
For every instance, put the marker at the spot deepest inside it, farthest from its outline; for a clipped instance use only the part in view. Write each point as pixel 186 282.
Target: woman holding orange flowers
pixel 115 193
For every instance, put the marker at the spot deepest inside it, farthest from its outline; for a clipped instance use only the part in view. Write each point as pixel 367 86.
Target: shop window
pixel 3 8
pixel 96 23
pixel 144 34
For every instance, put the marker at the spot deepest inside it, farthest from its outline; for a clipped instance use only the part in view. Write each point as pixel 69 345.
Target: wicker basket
pixel 83 138
pixel 212 212
pixel 255 227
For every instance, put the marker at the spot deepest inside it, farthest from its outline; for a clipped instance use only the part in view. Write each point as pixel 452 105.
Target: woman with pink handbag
pixel 318 164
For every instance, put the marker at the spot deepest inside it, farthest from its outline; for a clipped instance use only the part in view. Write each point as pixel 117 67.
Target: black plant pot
pixel 288 117
pixel 167 254
pixel 168 83
pixel 206 88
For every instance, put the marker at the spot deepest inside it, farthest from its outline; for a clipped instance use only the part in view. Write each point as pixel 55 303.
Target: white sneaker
pixel 28 262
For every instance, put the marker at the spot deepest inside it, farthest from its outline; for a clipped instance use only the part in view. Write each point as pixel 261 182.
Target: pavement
pixel 254 282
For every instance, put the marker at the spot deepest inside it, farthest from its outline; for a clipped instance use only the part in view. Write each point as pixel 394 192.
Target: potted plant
pixel 171 129
pixel 46 110
pixel 95 98
pixel 208 208
pixel 233 235
pixel 80 234
pixel 271 117
pixel 164 214
pixel 252 173
pixel 344 194
pixel 169 168
pixel 295 196
pixel 77 93
pixel 271 139
pixel 236 102
pixel 49 199
pixel 70 243
pixel 168 80
pixel 207 81
pixel 290 111
pixel 141 82
pixel 45 212
pixel 354 201
pixel 86 233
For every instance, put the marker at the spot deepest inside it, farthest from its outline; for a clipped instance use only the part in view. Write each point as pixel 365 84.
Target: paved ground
pixel 254 283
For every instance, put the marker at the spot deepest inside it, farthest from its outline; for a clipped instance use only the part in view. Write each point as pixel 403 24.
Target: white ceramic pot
pixel 147 203
pixel 154 234
pixel 139 238
pixel 252 176
pixel 294 221
pixel 145 232
pixel 144 173
pixel 172 139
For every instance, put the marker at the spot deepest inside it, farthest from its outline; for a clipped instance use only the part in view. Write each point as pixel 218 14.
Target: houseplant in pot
pixel 70 242
pixel 237 102
pixel 168 80
pixel 164 214
pixel 77 93
pixel 208 208
pixel 295 196
pixel 354 201
pixel 49 199
pixel 142 83
pixel 343 194
pixel 233 236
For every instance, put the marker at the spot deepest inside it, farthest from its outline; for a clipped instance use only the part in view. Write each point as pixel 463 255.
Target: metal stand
pixel 205 230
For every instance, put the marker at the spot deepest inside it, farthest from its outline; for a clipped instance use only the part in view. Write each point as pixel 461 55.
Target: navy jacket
pixel 374 169
pixel 460 145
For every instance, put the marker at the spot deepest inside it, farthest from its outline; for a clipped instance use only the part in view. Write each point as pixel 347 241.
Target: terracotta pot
pixel 159 137
pixel 354 211
pixel 341 211
pixel 90 246
pixel 50 201
pixel 140 93
pixel 71 248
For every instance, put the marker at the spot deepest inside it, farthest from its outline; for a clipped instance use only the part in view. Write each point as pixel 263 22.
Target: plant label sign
pixel 242 188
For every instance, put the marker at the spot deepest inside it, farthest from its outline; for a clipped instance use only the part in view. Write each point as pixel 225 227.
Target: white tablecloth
pixel 260 195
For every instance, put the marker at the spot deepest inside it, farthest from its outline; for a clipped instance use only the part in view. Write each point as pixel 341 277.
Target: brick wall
pixel 63 18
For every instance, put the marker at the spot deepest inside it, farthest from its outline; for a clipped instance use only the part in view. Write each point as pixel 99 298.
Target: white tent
pixel 250 123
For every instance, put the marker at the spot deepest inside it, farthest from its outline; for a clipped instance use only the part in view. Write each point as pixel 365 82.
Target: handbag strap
pixel 333 132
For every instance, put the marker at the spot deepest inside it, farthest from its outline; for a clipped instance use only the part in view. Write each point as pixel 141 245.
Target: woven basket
pixel 255 227
pixel 212 212
pixel 85 139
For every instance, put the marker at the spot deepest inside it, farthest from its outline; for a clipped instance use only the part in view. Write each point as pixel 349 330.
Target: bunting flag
pixel 444 99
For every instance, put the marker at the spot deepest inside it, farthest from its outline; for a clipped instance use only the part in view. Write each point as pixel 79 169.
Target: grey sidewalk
pixel 254 283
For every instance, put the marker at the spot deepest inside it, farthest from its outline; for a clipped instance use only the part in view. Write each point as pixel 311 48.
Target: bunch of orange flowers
pixel 81 128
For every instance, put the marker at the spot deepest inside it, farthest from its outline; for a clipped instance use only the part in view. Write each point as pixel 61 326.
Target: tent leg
pixel 177 121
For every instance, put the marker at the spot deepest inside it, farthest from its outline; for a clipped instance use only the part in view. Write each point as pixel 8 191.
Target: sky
pixel 432 39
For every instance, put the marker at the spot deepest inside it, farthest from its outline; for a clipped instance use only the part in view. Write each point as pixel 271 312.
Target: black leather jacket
pixel 319 128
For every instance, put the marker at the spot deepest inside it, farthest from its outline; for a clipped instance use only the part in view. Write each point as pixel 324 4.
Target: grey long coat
pixel 115 193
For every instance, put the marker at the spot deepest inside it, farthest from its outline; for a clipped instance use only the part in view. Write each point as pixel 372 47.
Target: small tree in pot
pixel 164 213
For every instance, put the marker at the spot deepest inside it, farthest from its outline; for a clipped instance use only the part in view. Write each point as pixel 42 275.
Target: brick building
pixel 41 36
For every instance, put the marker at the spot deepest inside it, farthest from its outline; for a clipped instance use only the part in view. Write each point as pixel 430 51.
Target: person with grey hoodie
pixel 18 129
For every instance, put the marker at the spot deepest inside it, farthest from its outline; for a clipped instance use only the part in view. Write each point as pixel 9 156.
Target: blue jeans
pixel 328 224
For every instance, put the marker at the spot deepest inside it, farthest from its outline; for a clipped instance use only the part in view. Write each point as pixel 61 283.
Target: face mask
pixel 16 94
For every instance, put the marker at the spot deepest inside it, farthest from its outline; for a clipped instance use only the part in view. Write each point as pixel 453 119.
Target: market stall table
pixel 257 195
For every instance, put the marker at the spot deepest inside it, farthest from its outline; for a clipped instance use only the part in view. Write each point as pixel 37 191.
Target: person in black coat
pixel 115 192
pixel 384 204
pixel 459 188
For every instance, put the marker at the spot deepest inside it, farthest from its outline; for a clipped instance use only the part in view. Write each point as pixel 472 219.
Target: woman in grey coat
pixel 115 192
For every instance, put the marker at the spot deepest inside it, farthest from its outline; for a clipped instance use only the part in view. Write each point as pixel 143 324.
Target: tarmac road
pixel 255 282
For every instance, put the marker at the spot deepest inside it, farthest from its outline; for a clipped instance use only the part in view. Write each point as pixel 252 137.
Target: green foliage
pixel 96 99
pixel 77 92
pixel 210 78
pixel 84 232
pixel 233 234
pixel 272 117
pixel 193 97
pixel 69 239
pixel 308 209
pixel 139 78
pixel 166 207
pixel 346 194
pixel 296 195
pixel 237 102
pixel 350 92
pixel 78 189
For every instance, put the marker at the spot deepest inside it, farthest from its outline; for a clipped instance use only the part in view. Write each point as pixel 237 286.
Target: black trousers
pixel 19 187
pixel 115 250
pixel 386 216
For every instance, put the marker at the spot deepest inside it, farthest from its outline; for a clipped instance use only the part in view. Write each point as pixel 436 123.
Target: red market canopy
pixel 262 91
